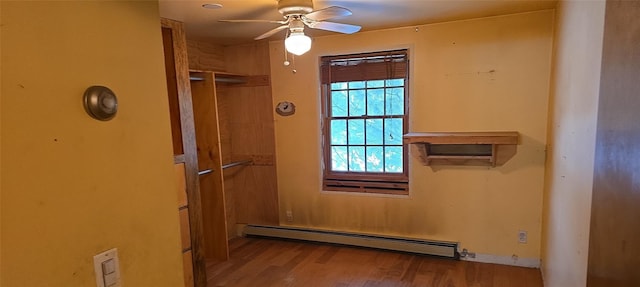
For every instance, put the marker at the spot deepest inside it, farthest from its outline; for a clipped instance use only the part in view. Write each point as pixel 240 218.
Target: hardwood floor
pixel 267 262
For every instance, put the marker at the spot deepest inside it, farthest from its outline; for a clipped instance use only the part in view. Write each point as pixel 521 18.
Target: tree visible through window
pixel 365 115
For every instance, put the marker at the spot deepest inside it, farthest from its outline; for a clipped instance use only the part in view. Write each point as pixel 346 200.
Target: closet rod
pixel 203 172
pixel 242 162
pixel 222 79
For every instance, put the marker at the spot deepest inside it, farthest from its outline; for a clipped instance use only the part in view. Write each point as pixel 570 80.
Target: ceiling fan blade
pixel 271 32
pixel 253 21
pixel 335 27
pixel 328 13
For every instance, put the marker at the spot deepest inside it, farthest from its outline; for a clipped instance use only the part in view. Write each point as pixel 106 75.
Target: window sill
pixel 366 187
pixel 359 194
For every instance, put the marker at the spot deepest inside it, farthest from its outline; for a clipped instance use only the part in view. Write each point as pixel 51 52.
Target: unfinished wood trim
pixel 503 153
pixel 183 88
pixel 178 158
pixel 187 263
pixel 210 157
pixel 184 229
pixel 172 90
pixel 181 185
pixel 462 137
pixel 503 147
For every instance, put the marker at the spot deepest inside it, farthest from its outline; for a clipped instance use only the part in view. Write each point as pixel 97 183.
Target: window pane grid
pixel 363 116
pixel 338 109
pixel 366 158
pixel 369 145
pixel 369 117
pixel 344 86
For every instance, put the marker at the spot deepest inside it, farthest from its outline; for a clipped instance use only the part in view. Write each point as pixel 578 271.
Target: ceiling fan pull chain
pixel 293 59
pixel 286 53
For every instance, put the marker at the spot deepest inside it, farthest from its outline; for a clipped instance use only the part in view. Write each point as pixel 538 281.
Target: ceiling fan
pixel 298 14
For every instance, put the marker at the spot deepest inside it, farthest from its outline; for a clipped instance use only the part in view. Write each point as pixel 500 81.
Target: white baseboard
pixel 505 260
pixel 412 245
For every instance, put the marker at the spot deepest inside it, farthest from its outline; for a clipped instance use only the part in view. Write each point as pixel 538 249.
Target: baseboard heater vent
pixel 426 247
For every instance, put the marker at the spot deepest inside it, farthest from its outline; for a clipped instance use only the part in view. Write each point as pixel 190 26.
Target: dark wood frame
pixel 614 236
pixel 363 182
pixel 190 157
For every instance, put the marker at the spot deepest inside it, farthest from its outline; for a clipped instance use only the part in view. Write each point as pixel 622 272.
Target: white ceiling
pixel 203 23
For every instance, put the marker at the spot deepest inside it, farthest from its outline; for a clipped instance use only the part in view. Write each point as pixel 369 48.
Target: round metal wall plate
pixel 100 103
pixel 285 108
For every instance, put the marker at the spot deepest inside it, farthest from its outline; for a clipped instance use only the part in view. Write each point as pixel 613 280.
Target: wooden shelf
pixel 224 78
pixel 463 148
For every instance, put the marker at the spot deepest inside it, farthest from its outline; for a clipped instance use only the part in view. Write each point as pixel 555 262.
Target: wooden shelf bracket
pixel 463 148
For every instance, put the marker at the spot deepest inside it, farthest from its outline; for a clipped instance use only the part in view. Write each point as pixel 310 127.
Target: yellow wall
pixel 476 75
pixel 572 130
pixel 73 186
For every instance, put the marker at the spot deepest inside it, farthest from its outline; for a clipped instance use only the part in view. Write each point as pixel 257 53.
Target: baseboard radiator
pixel 426 247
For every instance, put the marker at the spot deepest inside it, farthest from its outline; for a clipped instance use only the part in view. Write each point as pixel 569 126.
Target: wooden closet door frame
pixel 190 151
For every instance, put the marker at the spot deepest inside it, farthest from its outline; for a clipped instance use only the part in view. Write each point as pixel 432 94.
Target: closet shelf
pixel 219 77
pixel 230 79
pixel 463 148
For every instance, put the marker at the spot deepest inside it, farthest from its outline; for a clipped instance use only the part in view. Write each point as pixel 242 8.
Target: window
pixel 365 114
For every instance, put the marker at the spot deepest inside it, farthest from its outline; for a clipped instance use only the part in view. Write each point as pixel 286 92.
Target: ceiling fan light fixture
pixel 297 43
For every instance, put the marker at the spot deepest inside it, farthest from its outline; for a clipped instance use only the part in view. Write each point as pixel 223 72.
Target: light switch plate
pixel 107 260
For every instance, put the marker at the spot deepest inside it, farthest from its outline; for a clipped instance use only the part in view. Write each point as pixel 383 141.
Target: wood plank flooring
pixel 267 262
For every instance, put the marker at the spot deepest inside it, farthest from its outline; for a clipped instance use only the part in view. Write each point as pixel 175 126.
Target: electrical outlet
pixel 289 216
pixel 522 236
